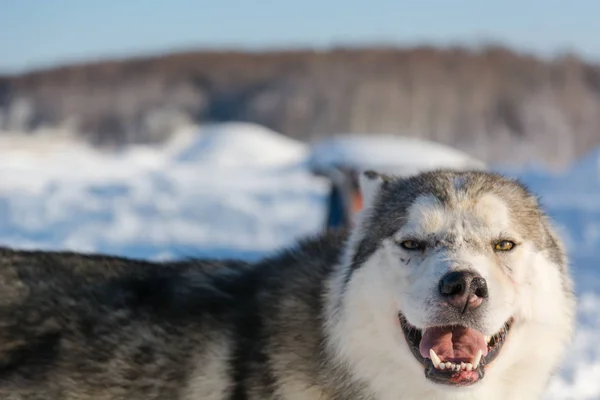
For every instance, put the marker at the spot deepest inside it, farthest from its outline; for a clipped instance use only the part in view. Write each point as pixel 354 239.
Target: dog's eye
pixel 504 245
pixel 411 244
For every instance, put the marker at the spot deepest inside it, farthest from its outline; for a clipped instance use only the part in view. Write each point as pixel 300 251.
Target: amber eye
pixel 504 245
pixel 411 244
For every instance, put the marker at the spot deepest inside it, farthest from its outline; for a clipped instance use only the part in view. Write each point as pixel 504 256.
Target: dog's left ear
pixel 371 183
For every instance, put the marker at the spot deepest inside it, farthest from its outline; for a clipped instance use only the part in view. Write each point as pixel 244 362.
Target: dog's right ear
pixel 371 183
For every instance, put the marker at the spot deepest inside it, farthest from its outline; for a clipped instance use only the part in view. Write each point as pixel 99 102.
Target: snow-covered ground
pixel 239 190
pixel 231 190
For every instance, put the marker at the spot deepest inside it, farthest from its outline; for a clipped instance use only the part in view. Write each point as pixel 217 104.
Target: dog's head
pixel 455 276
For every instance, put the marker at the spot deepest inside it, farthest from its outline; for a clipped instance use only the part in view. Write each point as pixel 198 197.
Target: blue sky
pixel 38 33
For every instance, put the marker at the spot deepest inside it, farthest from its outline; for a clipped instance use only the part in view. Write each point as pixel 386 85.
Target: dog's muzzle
pixel 455 352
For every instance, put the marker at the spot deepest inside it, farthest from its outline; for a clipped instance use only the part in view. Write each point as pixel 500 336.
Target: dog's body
pixel 427 268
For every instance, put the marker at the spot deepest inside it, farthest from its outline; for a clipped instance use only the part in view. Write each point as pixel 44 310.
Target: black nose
pixel 463 289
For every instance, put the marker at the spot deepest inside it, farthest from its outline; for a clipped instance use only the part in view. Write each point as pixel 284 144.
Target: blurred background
pixel 162 130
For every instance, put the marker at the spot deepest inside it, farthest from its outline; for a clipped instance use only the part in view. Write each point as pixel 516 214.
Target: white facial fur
pixel 472 228
pixel 523 284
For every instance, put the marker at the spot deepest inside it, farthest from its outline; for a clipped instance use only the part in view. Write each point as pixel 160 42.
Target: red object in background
pixel 357 202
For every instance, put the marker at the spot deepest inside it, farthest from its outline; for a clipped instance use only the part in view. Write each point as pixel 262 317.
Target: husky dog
pixel 451 285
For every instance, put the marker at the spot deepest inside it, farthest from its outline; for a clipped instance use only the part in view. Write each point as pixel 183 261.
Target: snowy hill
pixel 239 190
pixel 229 190
pixel 241 144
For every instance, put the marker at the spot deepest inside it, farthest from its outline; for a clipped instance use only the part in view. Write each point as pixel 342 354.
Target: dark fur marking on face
pixel 507 267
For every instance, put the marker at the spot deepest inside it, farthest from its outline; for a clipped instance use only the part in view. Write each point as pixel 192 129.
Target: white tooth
pixel 462 365
pixel 442 366
pixel 434 358
pixel 448 364
pixel 469 366
pixel 477 359
pixel 456 367
pixel 487 339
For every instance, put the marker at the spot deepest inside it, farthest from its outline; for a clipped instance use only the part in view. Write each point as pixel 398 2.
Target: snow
pixel 587 170
pixel 385 153
pixel 230 190
pixel 240 190
pixel 252 145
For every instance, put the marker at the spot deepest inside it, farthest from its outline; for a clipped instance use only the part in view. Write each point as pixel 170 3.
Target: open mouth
pixel 454 355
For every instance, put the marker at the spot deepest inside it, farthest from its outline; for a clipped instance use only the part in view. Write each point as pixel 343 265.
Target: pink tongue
pixel 453 343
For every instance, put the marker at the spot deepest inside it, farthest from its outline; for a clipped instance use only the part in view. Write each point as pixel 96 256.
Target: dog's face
pixel 461 276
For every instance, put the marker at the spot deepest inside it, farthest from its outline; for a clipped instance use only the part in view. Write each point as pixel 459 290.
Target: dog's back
pixel 95 327
pixel 79 327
